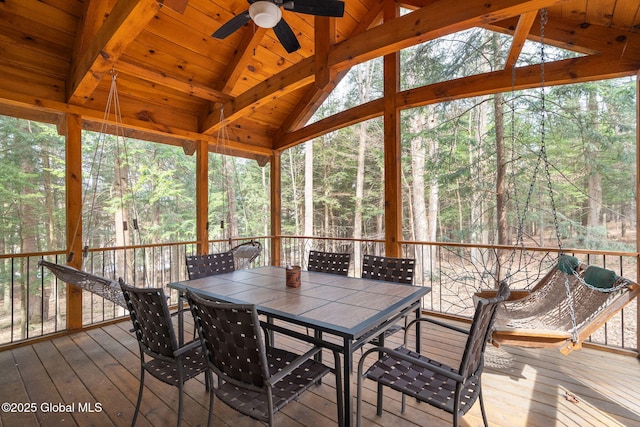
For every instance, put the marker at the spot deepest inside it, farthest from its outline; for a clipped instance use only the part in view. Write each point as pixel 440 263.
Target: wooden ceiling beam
pixel 428 23
pixel 195 89
pixel 240 59
pixel 123 24
pixel 314 96
pixel 520 37
pixel 349 117
pixel 325 37
pixel 574 70
pixel 294 78
pixel 14 102
pixel 416 27
pixel 578 37
pixel 567 71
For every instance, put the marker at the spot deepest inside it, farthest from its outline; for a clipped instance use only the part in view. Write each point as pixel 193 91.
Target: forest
pixel 536 165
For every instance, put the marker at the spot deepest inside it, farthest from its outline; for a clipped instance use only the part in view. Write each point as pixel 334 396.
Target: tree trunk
pixel 357 217
pixel 232 209
pixel 294 188
pixel 28 234
pixel 121 218
pixel 308 196
pixel 594 178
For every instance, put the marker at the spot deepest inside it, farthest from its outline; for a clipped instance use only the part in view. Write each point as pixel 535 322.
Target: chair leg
pixel 484 414
pixel 135 414
pixel 211 397
pixel 180 386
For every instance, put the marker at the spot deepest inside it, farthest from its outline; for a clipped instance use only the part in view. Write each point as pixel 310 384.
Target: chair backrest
pixel 480 332
pixel 151 319
pixel 231 337
pixel 329 262
pixel 399 270
pixel 209 264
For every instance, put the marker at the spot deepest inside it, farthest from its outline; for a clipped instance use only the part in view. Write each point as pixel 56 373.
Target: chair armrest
pixel 187 347
pixel 439 323
pixel 292 366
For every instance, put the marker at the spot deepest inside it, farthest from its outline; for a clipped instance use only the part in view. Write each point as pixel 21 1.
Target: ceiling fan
pixel 267 14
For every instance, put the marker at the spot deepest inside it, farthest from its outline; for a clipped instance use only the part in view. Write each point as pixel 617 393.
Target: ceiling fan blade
pixel 231 25
pixel 316 7
pixel 285 35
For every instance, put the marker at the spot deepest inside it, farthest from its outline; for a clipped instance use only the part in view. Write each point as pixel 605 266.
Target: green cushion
pixel 600 277
pixel 567 263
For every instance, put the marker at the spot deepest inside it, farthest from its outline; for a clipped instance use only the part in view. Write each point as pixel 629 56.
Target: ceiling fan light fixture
pixel 265 14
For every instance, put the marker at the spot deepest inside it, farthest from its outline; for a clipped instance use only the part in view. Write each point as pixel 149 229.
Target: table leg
pixel 346 381
pixel 181 297
pixel 418 329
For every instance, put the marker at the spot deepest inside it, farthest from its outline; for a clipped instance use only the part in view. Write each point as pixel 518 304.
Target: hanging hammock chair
pixel 563 309
pixel 101 286
pixel 573 299
pixel 106 288
pixel 246 253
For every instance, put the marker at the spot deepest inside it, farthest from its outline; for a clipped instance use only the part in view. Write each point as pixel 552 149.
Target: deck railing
pixel 34 301
pixel 456 272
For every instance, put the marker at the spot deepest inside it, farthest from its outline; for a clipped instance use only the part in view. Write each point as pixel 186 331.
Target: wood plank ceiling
pixel 57 56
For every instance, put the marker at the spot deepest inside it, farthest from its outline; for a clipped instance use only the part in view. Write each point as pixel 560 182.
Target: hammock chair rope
pixel 101 286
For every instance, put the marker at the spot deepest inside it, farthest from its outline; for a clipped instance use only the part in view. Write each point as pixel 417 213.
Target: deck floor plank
pixel 522 387
pixel 13 392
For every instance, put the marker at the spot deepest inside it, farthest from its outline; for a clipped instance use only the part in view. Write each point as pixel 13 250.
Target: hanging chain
pixel 543 154
pixel 543 121
pixel 222 138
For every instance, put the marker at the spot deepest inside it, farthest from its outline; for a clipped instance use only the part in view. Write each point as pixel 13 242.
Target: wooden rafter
pixel 240 58
pixel 190 87
pixel 315 96
pixel 125 21
pixel 519 37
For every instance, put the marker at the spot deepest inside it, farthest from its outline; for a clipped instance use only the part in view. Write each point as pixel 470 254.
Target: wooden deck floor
pixel 95 374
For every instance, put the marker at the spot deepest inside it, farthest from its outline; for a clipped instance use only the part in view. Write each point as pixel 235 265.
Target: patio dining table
pixel 343 312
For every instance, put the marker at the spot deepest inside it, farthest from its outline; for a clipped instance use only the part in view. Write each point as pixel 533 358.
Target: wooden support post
pixel 202 197
pixel 276 209
pixel 73 134
pixel 637 202
pixel 392 152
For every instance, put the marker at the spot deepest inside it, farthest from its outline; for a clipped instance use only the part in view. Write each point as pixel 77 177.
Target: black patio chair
pixel 167 361
pixel 397 270
pixel 452 389
pixel 253 378
pixel 209 264
pixel 329 262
